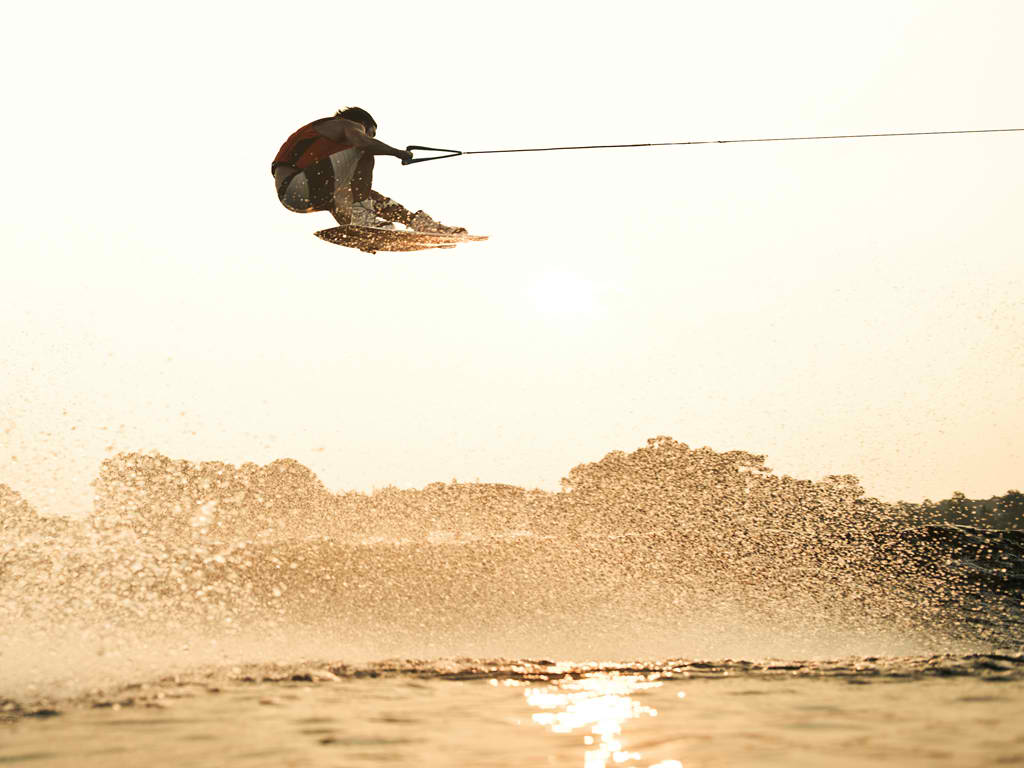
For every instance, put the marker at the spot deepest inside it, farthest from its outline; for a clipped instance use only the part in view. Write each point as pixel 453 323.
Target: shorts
pixel 323 186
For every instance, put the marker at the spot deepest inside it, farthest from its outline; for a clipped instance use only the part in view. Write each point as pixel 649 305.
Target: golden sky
pixel 841 306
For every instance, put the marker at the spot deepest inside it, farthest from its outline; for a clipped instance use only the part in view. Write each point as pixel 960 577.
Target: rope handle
pixel 413 147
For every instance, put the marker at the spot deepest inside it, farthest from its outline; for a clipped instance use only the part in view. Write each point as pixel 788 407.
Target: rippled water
pixel 937 711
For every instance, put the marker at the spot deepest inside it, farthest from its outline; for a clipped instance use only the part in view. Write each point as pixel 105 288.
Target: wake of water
pixel 664 553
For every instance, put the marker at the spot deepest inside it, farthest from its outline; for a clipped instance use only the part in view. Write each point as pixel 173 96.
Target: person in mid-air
pixel 327 165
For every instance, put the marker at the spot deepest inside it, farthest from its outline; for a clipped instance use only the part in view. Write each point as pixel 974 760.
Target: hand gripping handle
pixel 413 147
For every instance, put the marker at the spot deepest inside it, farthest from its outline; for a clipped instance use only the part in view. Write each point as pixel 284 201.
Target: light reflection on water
pixel 599 704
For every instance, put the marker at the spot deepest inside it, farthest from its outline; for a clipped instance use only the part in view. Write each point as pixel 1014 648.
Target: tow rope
pixel 457 152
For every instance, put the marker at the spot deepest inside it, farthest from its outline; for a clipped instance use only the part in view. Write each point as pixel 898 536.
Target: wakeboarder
pixel 327 165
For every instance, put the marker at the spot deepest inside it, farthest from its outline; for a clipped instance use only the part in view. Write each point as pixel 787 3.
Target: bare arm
pixel 350 132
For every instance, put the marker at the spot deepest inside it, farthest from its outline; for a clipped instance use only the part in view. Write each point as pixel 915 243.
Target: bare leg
pixel 390 210
pixel 421 222
pixel 345 167
pixel 342 210
pixel 362 178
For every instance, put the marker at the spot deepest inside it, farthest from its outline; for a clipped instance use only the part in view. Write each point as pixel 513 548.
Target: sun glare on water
pixel 598 705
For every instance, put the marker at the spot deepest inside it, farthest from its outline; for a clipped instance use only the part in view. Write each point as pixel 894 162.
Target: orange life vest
pixel 306 147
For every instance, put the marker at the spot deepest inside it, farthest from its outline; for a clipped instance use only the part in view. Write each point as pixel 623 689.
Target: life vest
pixel 306 147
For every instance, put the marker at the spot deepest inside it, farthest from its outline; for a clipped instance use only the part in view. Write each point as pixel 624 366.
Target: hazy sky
pixel 841 306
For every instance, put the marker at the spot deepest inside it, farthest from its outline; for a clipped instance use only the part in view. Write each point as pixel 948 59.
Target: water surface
pixel 962 712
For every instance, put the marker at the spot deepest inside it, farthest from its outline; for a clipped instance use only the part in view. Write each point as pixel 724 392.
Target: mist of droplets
pixel 663 552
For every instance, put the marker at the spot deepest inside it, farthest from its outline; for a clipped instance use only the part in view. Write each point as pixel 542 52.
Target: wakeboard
pixel 372 239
